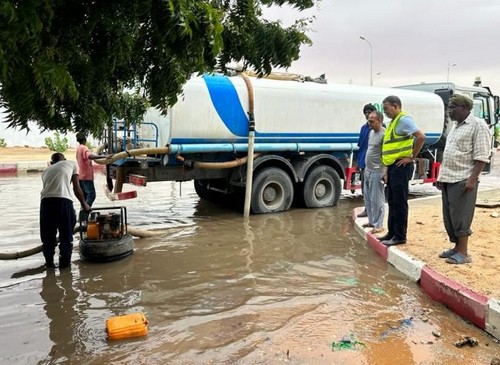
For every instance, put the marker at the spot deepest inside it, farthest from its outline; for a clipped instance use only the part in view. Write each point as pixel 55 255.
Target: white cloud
pixel 412 41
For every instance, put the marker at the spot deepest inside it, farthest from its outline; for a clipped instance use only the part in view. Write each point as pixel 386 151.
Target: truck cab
pixel 486 106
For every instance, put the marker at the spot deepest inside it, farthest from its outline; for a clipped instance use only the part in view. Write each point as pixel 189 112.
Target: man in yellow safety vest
pixel 403 141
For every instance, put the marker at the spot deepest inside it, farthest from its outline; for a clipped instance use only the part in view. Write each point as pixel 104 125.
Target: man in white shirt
pixel 56 209
pixel 468 149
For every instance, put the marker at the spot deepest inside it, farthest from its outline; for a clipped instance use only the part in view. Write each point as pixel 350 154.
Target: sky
pixel 413 41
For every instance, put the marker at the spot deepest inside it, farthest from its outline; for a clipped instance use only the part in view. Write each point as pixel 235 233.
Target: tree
pixel 74 64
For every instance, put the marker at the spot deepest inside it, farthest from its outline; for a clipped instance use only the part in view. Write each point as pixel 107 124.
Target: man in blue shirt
pixel 403 140
pixel 364 132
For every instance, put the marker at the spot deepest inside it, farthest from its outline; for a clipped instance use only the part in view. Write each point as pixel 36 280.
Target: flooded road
pixel 218 290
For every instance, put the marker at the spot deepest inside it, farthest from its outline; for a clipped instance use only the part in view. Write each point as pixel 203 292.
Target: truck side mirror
pixel 497 108
pixel 445 94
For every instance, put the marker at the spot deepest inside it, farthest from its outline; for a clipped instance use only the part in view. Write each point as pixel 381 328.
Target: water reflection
pixel 60 302
pixel 216 289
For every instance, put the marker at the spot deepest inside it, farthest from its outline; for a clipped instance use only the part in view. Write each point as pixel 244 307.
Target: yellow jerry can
pixel 127 326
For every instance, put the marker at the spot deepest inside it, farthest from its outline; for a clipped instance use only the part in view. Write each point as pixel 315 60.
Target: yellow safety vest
pixel 395 146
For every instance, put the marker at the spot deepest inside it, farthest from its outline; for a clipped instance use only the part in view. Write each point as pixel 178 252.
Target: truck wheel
pixel 272 191
pixel 321 187
pixel 200 186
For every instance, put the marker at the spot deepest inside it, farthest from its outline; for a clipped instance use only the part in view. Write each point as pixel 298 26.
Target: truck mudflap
pixel 352 180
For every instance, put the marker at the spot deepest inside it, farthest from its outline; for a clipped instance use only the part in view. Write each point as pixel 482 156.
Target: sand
pixel 427 238
pixel 22 154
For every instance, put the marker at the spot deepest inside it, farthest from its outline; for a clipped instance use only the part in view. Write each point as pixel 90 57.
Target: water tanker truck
pixel 302 138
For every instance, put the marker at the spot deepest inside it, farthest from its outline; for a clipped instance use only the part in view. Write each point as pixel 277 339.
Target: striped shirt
pixel 467 142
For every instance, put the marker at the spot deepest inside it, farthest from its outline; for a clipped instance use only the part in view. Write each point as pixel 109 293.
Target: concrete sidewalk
pixel 479 309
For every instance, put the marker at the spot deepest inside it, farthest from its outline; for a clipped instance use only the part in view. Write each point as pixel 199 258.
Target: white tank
pixel 213 109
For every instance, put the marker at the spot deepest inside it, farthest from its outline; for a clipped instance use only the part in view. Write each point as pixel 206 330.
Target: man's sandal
pixel 458 259
pixel 447 253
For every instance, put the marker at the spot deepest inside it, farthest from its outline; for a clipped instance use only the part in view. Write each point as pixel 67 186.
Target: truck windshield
pixel 481 108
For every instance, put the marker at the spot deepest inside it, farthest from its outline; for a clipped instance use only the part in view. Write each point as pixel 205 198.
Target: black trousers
pixel 398 179
pixel 57 215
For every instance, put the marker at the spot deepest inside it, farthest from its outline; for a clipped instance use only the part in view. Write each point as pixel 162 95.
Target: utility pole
pixel 448 75
pixel 371 58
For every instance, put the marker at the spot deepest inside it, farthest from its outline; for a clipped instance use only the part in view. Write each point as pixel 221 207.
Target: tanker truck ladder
pixel 134 136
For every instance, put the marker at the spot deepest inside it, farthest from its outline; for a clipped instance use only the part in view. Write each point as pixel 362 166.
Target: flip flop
pixel 458 259
pixel 447 253
pixel 377 230
pixel 367 225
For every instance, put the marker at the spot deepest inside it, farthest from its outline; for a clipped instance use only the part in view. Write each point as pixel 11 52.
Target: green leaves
pixel 57 143
pixel 76 64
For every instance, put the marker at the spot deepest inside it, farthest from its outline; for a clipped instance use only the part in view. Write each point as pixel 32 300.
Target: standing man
pixel 467 150
pixel 374 171
pixel 403 140
pixel 363 146
pixel 84 159
pixel 56 209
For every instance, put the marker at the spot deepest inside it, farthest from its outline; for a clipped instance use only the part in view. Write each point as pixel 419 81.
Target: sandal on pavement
pixel 377 230
pixel 367 225
pixel 447 253
pixel 458 259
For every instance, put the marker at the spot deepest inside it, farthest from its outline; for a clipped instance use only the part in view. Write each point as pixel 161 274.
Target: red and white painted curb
pixel 8 169
pixel 477 308
pixel 12 169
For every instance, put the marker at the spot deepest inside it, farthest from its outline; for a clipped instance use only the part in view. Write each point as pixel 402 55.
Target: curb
pixel 13 169
pixel 8 169
pixel 477 308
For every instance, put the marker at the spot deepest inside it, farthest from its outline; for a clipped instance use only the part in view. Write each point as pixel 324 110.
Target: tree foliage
pixel 74 64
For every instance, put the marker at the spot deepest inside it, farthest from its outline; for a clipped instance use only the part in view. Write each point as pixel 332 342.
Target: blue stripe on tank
pixel 227 104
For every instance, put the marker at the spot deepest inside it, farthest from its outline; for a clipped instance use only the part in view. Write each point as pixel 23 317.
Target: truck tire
pixel 200 186
pixel 321 187
pixel 106 250
pixel 272 191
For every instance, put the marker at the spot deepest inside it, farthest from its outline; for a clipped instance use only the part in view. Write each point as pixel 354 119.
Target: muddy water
pixel 216 290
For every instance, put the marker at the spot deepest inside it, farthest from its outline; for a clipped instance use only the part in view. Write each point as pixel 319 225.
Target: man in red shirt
pixel 84 159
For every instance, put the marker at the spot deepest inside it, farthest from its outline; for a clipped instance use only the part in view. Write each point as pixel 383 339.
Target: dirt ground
pixel 426 235
pixel 427 238
pixel 22 154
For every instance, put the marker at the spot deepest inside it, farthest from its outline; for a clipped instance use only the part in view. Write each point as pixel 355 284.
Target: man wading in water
pixel 56 209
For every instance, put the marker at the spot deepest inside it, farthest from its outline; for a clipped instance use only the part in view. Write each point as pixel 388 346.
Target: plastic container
pixel 127 326
pixel 93 230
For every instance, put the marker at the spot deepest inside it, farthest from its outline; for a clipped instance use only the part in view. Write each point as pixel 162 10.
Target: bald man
pixel 56 209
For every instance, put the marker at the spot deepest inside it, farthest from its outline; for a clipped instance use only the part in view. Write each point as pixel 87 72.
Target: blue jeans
pixel 88 191
pixel 398 179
